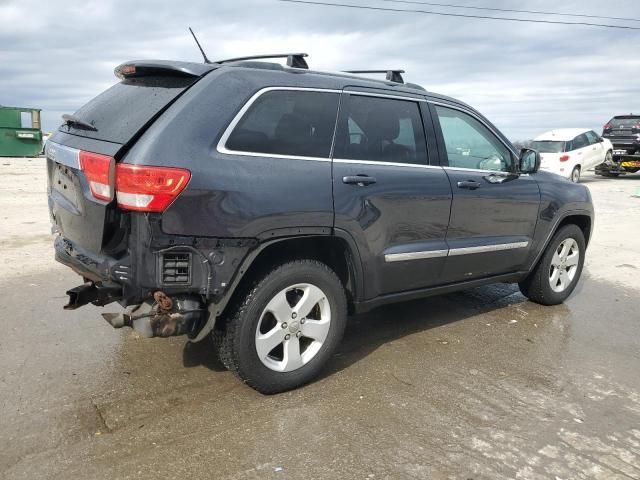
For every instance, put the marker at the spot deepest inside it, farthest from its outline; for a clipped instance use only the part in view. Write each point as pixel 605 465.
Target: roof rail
pixel 392 75
pixel 295 60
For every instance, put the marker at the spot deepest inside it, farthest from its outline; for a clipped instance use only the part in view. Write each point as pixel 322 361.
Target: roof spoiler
pixel 141 68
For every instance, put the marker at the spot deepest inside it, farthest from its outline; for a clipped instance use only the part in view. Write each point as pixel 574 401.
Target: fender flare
pixel 216 309
pixel 554 229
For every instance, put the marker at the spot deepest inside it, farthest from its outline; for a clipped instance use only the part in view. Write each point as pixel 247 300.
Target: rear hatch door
pixel 623 128
pixel 81 156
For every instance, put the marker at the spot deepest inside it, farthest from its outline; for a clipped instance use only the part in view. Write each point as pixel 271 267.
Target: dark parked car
pixel 259 204
pixel 624 133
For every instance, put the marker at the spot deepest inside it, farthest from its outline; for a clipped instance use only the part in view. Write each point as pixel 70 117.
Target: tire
pixel 575 174
pixel 608 158
pixel 538 285
pixel 260 319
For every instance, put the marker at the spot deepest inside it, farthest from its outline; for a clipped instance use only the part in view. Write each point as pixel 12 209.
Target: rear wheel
pixel 285 327
pixel 559 269
pixel 575 174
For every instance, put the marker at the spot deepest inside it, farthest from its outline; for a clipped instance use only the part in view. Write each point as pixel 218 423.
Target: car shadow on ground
pixel 365 333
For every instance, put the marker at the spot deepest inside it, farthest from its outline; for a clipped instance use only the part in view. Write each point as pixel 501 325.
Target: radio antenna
pixel 204 55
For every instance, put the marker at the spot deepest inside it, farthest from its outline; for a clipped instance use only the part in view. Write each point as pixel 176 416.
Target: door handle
pixel 579 153
pixel 360 180
pixel 469 184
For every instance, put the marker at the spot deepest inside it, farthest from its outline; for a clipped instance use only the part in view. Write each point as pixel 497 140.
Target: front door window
pixel 469 144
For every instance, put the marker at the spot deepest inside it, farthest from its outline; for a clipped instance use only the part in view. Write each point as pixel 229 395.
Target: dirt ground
pixel 481 384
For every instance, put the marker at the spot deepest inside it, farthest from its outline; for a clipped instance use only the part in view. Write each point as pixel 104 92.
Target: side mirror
pixel 600 139
pixel 529 161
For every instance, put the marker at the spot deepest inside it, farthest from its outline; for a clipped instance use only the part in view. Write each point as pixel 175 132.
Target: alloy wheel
pixel 293 327
pixel 564 265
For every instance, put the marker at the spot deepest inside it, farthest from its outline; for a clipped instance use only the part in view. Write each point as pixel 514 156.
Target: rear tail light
pixel 148 189
pixel 564 158
pixel 99 170
pixel 607 126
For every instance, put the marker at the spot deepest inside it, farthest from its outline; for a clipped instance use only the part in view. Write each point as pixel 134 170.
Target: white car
pixel 570 151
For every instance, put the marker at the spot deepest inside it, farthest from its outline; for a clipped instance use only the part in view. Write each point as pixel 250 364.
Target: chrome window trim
pixel 487 248
pixel 474 115
pixel 389 164
pixel 401 257
pixel 384 95
pixel 62 154
pixel 222 144
pixel 462 169
pixel 452 252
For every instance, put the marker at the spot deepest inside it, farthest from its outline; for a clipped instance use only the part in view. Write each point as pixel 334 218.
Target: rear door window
pixel 287 122
pixel 121 111
pixel 381 129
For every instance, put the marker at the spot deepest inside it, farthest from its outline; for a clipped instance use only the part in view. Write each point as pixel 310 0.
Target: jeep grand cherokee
pixel 259 204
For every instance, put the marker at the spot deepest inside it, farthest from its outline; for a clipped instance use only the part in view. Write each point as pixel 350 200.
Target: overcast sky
pixel 527 78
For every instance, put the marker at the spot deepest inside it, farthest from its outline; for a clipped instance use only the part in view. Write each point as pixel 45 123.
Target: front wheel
pixel 559 269
pixel 285 327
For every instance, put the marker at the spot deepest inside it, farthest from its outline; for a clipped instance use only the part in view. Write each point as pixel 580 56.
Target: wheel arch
pixel 584 221
pixel 338 252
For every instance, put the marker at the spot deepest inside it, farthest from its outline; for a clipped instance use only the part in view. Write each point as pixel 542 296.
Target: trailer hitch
pixel 90 292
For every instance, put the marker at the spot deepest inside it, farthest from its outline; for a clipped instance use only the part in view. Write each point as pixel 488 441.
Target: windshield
pixel 548 146
pixel 625 122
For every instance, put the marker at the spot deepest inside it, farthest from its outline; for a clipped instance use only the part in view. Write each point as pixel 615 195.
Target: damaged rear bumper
pixel 97 268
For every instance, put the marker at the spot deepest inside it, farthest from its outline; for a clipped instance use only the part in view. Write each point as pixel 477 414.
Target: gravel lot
pixel 472 385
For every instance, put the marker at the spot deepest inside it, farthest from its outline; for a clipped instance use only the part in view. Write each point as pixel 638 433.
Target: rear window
pixel 287 122
pixel 121 111
pixel 625 122
pixel 544 146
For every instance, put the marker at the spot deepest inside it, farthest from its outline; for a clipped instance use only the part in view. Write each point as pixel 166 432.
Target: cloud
pixel 526 78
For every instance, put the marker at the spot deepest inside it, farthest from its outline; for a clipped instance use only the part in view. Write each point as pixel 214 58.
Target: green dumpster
pixel 20 134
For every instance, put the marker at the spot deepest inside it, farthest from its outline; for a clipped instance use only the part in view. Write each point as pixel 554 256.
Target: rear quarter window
pixel 121 111
pixel 287 122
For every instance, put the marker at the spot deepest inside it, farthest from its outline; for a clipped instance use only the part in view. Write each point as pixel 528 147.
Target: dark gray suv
pixel 259 204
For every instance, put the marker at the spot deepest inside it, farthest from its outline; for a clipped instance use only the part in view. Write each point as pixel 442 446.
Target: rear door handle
pixel 469 184
pixel 360 180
